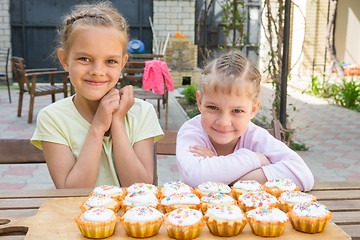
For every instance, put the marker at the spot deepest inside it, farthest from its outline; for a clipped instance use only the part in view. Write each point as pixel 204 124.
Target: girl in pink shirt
pixel 222 144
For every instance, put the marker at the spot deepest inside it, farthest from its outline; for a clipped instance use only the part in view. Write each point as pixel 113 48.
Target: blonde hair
pixel 229 73
pixel 98 14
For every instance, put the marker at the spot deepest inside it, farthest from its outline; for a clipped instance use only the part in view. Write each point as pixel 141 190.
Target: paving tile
pixel 20 171
pixel 12 186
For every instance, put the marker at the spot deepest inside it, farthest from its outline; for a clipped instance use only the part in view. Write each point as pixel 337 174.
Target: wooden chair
pixel 132 75
pixel 22 76
pixel 4 61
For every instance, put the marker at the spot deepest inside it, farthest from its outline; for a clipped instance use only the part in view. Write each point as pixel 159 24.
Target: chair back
pixel 134 68
pixel 19 71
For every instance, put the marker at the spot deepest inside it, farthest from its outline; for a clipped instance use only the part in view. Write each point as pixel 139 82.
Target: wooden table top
pixel 342 198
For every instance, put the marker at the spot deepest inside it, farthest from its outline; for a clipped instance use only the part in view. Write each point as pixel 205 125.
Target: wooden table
pixel 342 198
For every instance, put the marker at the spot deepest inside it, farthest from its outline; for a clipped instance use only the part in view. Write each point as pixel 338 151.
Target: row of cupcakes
pixel 178 195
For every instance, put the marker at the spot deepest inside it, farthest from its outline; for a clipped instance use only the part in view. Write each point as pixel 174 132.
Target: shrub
pixel 347 94
pixel 190 94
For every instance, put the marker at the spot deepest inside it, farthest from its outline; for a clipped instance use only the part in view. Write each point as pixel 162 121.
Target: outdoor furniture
pixel 35 89
pixel 4 61
pixel 19 212
pixel 132 75
pixel 21 151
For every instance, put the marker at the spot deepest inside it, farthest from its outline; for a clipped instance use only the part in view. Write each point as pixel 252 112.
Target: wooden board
pixel 55 220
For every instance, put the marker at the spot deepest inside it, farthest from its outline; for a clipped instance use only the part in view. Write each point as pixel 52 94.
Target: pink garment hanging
pixel 155 74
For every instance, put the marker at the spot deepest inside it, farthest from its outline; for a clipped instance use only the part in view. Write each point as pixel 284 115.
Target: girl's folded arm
pixel 195 170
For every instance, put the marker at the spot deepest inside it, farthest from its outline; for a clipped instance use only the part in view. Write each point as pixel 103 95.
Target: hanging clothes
pixel 156 75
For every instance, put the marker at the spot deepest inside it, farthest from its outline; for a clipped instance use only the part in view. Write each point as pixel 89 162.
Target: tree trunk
pixel 330 46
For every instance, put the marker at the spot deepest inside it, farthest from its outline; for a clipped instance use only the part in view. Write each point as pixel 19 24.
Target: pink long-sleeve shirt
pixel 286 163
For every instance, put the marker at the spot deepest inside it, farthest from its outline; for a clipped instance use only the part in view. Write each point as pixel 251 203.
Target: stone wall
pixel 5 33
pixel 181 57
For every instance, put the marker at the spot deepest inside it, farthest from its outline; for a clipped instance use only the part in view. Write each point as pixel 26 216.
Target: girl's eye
pixel 111 61
pixel 84 59
pixel 212 107
pixel 237 111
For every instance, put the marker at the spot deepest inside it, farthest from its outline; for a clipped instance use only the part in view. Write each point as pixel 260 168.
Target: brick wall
pixel 5 38
pixel 174 16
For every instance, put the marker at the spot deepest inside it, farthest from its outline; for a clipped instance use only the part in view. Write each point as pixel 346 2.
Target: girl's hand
pixel 126 95
pixel 200 151
pixel 109 104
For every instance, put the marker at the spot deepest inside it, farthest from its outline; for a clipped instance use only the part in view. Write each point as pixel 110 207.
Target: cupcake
pixel 311 217
pixel 110 190
pixel 184 223
pixel 137 199
pixel 259 198
pixel 145 187
pixel 245 186
pixel 97 222
pixel 277 186
pixel 170 188
pixel 184 200
pixel 289 198
pixel 141 222
pixel 100 200
pixel 225 221
pixel 212 187
pixel 267 221
pixel 216 199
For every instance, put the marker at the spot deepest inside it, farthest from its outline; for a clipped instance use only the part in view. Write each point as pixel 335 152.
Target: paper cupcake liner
pixel 97 229
pixel 267 229
pixel 141 229
pixel 309 224
pixel 225 228
pixel 184 232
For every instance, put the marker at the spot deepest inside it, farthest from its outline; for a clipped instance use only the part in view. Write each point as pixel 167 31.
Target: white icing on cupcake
pixel 98 214
pixel 265 214
pixel 248 185
pixel 210 187
pixel 297 197
pixel 99 200
pixel 184 216
pixel 312 209
pixel 142 214
pixel 217 198
pixel 184 198
pixel 284 184
pixel 257 198
pixel 145 187
pixel 141 198
pixel 228 213
pixel 107 189
pixel 176 187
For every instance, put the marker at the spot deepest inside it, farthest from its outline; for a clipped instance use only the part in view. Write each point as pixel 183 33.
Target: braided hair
pixel 230 73
pixel 98 14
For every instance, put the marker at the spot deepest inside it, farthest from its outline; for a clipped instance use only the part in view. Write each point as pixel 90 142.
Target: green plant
pixel 319 87
pixel 347 94
pixel 298 146
pixel 190 94
pixel 234 24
